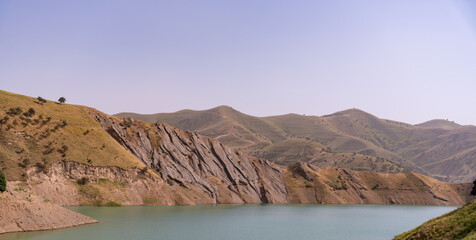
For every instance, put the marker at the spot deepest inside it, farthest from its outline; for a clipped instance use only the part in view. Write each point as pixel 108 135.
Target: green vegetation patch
pixel 150 200
pixel 112 204
pixel 90 191
pixel 458 224
pixel 3 183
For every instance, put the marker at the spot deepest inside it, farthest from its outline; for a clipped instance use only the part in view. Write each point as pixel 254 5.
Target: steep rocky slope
pixel 72 183
pixel 458 224
pixel 437 148
pixel 187 159
pixel 192 161
pixel 309 184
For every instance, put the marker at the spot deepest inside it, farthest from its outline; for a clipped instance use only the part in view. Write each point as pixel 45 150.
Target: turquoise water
pixel 229 222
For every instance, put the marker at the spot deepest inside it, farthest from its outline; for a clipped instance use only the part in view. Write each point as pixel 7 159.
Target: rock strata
pixel 191 161
pixel 186 159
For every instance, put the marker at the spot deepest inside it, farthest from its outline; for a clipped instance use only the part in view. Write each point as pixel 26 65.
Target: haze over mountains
pixel 351 139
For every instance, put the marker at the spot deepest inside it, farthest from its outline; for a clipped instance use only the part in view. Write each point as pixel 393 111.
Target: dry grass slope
pixel 54 132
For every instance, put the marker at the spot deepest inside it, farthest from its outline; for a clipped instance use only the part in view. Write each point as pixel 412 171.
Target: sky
pixel 405 60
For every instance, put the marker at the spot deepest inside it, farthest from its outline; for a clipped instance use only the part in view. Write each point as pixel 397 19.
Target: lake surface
pixel 230 222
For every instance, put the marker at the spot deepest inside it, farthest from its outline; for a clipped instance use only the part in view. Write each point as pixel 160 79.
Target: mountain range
pixel 53 153
pixel 349 139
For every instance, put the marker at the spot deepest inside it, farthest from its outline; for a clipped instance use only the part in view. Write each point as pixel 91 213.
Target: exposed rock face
pixel 304 183
pixel 307 184
pixel 346 139
pixel 187 159
pixel 103 184
pixel 21 211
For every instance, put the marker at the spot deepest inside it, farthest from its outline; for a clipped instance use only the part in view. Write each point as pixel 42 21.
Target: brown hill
pixel 53 132
pixel 192 161
pixel 110 159
pixel 75 155
pixel 437 148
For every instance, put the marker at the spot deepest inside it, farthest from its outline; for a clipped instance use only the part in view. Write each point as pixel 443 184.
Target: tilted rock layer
pixel 209 172
pixel 186 159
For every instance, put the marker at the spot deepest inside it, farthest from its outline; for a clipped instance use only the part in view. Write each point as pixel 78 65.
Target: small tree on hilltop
pixel 62 100
pixel 473 192
pixel 41 100
pixel 3 183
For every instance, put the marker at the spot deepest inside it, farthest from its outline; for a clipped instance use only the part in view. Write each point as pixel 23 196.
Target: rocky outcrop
pixel 71 183
pixel 303 183
pixel 21 211
pixel 308 184
pixel 187 159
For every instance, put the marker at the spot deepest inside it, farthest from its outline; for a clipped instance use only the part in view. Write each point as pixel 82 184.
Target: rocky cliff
pixel 308 184
pixel 192 161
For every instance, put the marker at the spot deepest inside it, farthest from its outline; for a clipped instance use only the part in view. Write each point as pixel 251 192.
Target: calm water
pixel 230 222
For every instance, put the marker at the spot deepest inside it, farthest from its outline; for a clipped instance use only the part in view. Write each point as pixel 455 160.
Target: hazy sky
pixel 407 60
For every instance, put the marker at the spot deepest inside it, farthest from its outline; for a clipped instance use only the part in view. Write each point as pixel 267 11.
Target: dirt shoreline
pixel 21 211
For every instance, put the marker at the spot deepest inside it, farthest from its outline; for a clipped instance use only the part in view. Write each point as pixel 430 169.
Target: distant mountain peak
pixel 351 112
pixel 439 123
pixel 223 108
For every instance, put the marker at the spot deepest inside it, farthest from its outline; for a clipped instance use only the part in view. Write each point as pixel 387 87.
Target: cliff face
pixel 308 184
pixel 70 183
pixel 186 159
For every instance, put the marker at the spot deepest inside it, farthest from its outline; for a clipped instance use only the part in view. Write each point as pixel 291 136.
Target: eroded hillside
pixel 351 139
pixel 114 161
pixel 186 159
